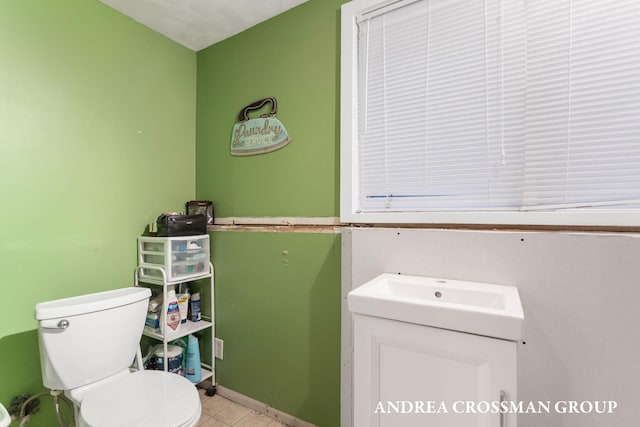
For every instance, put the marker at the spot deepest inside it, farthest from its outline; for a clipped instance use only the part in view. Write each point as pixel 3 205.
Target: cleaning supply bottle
pixel 173 311
pixel 183 303
pixel 194 306
pixel 193 370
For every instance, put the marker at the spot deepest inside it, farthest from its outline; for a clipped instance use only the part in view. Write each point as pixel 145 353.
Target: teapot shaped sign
pixel 259 135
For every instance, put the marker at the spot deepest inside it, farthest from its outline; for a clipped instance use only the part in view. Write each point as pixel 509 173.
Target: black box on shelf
pixel 181 225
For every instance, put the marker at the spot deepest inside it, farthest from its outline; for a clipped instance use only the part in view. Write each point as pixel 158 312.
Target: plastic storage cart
pixel 169 261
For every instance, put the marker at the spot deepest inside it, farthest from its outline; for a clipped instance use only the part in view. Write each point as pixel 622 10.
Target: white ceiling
pixel 197 24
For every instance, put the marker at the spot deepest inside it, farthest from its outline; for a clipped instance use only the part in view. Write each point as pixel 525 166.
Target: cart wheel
pixel 211 391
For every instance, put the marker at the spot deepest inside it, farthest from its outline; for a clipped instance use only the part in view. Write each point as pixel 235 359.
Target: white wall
pixel 581 298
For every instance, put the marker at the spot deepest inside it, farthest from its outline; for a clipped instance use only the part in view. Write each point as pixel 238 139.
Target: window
pixel 491 112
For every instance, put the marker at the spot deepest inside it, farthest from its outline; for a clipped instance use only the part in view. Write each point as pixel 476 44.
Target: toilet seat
pixel 142 399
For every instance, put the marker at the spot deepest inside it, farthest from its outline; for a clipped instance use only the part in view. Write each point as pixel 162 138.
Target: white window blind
pixel 469 105
pixel 583 104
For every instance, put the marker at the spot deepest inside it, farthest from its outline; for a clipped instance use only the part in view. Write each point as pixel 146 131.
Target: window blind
pixel 467 105
pixel 583 104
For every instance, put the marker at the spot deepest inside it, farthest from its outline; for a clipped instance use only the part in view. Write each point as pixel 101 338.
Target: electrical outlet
pixel 219 348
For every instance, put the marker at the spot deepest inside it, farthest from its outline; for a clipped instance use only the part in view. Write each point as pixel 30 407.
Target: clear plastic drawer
pixel 181 257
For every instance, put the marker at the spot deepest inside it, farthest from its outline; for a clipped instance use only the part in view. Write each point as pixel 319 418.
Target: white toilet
pixel 88 343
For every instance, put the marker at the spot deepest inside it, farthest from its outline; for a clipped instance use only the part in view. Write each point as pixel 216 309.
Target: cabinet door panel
pixel 411 375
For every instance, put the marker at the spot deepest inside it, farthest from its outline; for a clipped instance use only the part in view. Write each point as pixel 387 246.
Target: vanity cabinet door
pixel 417 376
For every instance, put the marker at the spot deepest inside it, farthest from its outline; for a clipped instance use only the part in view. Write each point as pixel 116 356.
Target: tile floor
pixel 218 411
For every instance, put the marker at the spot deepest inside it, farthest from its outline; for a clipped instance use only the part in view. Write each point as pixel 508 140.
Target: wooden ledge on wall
pixel 278 224
pixel 332 224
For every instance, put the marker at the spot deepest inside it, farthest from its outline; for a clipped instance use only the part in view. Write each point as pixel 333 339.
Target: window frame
pixel 349 212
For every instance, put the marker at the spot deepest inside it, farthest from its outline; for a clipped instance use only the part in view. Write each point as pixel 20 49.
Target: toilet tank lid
pixel 90 303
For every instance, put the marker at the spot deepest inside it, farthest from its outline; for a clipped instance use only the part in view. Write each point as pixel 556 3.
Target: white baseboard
pixel 262 408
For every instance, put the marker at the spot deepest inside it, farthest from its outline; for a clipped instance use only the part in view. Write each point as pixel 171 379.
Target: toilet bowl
pixel 87 345
pixel 5 418
pixel 144 398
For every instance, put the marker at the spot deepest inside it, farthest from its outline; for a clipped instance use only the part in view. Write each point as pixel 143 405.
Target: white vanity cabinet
pixel 168 261
pixel 434 352
pixel 418 376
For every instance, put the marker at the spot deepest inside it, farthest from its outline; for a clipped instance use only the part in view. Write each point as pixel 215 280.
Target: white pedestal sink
pixel 431 343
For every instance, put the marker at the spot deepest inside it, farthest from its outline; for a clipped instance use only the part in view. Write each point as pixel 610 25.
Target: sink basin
pixel 471 307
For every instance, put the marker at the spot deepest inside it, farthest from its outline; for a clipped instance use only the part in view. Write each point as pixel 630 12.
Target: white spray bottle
pixel 173 311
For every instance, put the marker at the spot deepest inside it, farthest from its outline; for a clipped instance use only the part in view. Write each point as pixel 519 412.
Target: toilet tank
pixel 100 339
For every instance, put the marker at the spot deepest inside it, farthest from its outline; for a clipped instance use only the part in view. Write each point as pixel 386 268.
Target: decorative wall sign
pixel 260 135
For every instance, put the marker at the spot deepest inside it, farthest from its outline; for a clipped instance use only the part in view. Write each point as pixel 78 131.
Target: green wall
pixel 278 312
pixel 277 294
pixel 100 131
pixel 294 58
pixel 97 137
